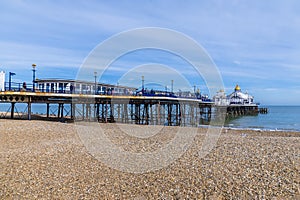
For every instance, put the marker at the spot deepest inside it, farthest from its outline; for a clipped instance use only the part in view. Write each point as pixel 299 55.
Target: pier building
pixel 239 97
pixel 236 97
pixel 235 104
pixel 82 87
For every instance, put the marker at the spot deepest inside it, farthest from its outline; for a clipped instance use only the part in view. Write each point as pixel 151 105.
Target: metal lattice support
pixel 122 109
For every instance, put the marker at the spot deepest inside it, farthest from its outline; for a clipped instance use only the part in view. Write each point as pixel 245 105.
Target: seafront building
pixel 236 97
pixel 2 81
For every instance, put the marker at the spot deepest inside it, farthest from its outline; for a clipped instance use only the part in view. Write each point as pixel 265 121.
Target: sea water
pixel 36 108
pixel 278 118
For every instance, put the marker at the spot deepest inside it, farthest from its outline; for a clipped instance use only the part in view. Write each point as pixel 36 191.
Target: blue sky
pixel 253 43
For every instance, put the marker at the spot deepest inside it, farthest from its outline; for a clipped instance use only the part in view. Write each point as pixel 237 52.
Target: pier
pixel 147 110
pixel 106 103
pixel 263 110
pixel 239 110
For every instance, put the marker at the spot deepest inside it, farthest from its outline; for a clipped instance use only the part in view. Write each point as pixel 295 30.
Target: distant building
pixel 221 99
pixel 2 81
pixel 236 97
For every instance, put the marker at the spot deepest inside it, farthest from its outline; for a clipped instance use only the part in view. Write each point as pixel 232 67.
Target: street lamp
pixel 117 90
pixel 33 77
pixel 143 81
pixel 9 80
pixel 172 83
pixel 95 75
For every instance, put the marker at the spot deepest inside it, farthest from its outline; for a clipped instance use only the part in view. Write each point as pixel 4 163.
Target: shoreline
pixel 262 129
pixel 53 118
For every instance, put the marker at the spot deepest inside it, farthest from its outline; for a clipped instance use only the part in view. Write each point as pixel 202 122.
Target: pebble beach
pixel 48 160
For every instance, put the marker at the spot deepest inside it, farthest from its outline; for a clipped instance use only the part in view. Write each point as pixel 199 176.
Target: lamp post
pixel 172 83
pixel 143 81
pixel 9 80
pixel 33 77
pixel 95 75
pixel 117 90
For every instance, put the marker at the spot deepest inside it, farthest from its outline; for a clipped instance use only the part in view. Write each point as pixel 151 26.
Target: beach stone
pixel 47 160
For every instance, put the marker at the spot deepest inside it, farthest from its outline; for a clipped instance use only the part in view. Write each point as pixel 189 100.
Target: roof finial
pixel 237 88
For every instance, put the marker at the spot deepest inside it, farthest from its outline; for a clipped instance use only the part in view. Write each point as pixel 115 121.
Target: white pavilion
pixel 236 97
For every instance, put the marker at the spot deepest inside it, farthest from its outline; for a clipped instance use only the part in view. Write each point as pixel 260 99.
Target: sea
pixel 286 118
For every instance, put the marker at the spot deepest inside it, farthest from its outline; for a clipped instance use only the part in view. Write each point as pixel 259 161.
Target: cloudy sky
pixel 253 43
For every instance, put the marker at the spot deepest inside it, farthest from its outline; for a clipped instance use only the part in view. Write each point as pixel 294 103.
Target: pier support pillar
pixel 146 114
pixel 169 110
pixel 83 111
pixel 62 111
pixel 112 117
pixel 58 110
pixel 89 108
pixel 48 109
pixel 126 113
pixel 106 111
pixel 158 114
pixel 136 114
pixel 29 110
pixel 12 110
pixel 97 111
pixel 73 108
pixel 176 114
pixel 151 114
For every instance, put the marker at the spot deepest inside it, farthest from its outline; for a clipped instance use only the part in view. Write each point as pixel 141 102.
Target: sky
pixel 255 44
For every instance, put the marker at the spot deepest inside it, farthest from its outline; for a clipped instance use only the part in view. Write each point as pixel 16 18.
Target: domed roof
pixel 237 88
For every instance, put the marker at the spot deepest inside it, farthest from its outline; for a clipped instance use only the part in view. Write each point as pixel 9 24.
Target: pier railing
pixel 24 87
pixel 18 87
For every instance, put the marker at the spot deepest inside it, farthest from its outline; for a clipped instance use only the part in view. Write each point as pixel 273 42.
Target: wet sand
pixel 48 160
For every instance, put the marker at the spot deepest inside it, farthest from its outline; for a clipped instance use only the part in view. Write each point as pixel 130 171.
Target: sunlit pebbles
pixel 47 160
